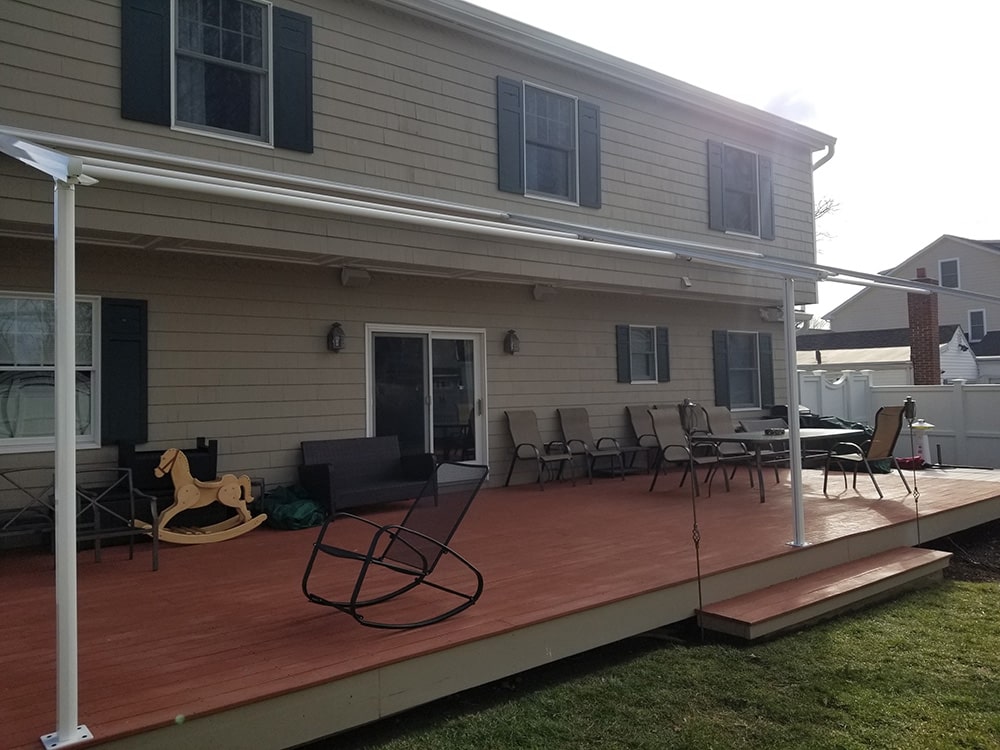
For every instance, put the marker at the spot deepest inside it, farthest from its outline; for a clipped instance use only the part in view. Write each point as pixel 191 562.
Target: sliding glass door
pixel 427 387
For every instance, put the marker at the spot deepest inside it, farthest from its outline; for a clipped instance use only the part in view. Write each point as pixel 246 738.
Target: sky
pixel 908 89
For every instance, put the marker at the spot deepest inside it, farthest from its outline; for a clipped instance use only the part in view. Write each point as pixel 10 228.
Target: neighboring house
pixel 951 261
pixel 988 357
pixel 449 187
pixel 886 353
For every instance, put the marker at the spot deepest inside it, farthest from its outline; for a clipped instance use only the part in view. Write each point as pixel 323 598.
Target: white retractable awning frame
pixel 241 183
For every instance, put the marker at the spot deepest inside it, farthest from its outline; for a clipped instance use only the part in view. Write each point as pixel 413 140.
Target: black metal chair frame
pixel 405 549
pixel 105 507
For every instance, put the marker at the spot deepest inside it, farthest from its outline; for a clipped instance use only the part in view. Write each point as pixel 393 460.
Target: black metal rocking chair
pixel 410 549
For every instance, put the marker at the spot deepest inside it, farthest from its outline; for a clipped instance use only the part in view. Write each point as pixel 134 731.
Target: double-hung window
pixel 948 270
pixel 548 144
pixel 27 372
pixel 744 372
pixel 643 354
pixel 238 69
pixel 221 67
pixel 740 193
pixel 977 325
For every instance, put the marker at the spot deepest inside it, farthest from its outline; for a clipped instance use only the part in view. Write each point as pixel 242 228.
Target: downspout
pixel 830 149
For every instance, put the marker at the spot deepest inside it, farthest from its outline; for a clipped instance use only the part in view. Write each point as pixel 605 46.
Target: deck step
pixel 793 603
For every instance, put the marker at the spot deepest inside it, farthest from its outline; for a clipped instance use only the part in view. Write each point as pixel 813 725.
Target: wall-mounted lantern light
pixel 511 343
pixel 335 338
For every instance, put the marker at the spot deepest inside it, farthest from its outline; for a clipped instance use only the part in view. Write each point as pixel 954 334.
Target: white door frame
pixel 478 335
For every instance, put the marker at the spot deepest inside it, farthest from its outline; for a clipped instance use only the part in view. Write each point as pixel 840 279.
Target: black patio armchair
pixel 398 558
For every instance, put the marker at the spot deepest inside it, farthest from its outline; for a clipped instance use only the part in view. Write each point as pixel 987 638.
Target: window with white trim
pixel 550 159
pixel 221 67
pixel 977 325
pixel 643 354
pixel 948 273
pixel 740 191
pixel 27 371
pixel 229 68
pixel 744 369
pixel 548 144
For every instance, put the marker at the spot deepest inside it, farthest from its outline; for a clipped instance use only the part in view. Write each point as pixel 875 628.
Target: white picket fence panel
pixel 966 417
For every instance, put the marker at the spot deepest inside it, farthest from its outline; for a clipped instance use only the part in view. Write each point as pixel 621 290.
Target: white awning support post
pixel 794 442
pixel 68 730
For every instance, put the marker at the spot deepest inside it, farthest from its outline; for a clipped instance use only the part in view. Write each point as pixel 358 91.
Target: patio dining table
pixel 760 439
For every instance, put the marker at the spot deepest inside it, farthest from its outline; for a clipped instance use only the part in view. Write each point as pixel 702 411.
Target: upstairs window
pixel 643 354
pixel 740 193
pixel 977 325
pixel 548 144
pixel 221 76
pixel 234 68
pixel 948 271
pixel 744 371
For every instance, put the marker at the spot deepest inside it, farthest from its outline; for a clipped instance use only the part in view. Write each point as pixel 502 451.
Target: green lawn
pixel 920 672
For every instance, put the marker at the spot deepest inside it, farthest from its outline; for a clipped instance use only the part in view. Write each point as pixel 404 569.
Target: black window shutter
pixel 765 361
pixel 145 61
pixel 623 344
pixel 293 106
pixel 510 136
pixel 124 380
pixel 765 186
pixel 716 184
pixel 662 355
pixel 720 359
pixel 589 138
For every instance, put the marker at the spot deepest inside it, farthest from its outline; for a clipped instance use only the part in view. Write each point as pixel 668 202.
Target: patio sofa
pixel 355 472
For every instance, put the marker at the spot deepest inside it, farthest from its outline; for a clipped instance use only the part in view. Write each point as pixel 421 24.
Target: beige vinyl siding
pixel 407 105
pixel 237 352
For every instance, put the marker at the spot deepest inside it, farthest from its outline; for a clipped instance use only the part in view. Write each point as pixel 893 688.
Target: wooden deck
pixel 223 636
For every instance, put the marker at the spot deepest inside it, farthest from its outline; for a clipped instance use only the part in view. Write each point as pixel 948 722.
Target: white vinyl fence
pixel 966 417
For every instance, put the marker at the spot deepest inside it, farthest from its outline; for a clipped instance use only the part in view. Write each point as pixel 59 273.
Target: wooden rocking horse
pixel 189 492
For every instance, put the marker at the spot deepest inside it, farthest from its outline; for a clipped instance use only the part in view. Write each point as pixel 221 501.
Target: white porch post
pixel 68 731
pixel 794 443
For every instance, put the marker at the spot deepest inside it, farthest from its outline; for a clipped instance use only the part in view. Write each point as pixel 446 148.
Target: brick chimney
pixel 925 352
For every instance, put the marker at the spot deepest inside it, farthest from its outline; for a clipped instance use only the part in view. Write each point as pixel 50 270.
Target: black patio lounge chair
pixel 575 424
pixel 888 423
pixel 529 446
pixel 409 550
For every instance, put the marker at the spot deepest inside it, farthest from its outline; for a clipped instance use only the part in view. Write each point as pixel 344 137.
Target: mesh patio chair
pixel 529 446
pixel 579 438
pixel 407 551
pixel 888 423
pixel 699 424
pixel 642 430
pixel 674 448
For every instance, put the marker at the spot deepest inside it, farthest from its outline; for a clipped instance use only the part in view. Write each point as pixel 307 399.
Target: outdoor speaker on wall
pixel 355 277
